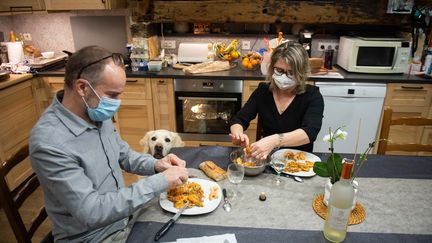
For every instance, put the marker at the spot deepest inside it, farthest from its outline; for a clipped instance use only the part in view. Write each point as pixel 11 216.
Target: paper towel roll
pixel 15 52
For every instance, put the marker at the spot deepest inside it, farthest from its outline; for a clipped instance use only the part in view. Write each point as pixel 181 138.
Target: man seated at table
pixel 78 155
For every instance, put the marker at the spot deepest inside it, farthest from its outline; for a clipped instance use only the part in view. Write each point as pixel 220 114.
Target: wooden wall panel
pixel 270 11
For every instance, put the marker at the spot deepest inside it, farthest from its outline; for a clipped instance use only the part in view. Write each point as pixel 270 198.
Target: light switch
pixel 246 45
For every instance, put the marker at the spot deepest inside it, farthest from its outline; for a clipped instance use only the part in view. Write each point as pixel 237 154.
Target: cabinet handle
pixel 132 81
pixel 410 87
pixel 161 81
pixel 103 1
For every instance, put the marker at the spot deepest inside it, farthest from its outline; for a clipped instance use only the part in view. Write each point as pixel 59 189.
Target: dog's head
pixel 159 142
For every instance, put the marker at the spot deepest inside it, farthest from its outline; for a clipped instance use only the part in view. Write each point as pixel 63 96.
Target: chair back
pixel 13 199
pixel 387 145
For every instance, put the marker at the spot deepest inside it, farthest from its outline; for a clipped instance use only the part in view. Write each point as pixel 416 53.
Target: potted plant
pixel 332 168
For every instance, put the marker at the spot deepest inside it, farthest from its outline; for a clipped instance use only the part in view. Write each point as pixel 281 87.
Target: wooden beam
pixel 270 11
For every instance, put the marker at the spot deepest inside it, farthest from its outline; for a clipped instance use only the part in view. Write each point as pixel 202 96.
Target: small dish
pixel 48 54
pixel 154 66
pixel 248 170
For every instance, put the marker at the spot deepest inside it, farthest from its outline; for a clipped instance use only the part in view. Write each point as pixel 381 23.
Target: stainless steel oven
pixel 204 107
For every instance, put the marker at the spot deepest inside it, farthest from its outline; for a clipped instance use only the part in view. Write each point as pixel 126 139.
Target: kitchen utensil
pixel 170 223
pixel 227 205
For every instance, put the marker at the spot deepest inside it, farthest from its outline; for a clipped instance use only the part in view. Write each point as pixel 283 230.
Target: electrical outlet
pixel 169 44
pixel 27 36
pixel 322 46
pixel 246 45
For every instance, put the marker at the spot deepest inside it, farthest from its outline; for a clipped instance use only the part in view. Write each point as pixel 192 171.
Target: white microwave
pixel 373 55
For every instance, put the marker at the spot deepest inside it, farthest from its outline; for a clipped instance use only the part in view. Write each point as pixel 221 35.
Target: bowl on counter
pixel 154 66
pixel 47 54
pixel 251 61
pixel 252 166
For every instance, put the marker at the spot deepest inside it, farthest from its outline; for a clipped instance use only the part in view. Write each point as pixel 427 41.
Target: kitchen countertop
pixel 14 79
pixel 238 73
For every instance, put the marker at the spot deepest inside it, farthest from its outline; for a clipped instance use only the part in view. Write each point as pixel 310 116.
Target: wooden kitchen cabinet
pixel 18 115
pixel 84 4
pixel 163 104
pixel 135 116
pixel 409 100
pixel 21 6
pixel 248 88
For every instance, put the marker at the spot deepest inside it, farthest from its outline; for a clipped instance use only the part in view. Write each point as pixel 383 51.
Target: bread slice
pixel 213 171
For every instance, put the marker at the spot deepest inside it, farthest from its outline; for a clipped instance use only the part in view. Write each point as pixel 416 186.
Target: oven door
pixel 205 112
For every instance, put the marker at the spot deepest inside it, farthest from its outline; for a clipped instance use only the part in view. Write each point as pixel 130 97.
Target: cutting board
pixel 43 62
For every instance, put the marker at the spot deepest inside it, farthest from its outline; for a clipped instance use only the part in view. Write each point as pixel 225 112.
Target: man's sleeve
pixel 64 179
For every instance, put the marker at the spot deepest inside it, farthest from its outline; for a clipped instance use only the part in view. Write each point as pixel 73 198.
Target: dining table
pixel 394 190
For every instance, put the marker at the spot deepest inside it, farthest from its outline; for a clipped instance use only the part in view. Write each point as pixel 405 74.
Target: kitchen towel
pixel 15 52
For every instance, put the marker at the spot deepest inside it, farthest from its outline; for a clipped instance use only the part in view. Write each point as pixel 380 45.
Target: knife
pixel 170 223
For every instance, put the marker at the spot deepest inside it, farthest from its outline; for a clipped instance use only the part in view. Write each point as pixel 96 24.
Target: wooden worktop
pixel 14 79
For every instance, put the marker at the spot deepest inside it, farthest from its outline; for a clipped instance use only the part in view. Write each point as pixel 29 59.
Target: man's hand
pixel 176 175
pixel 169 161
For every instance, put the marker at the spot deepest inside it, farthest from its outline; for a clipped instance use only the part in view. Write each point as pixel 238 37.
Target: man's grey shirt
pixel 79 167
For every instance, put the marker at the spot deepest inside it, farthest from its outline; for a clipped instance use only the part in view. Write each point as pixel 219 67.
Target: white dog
pixel 159 142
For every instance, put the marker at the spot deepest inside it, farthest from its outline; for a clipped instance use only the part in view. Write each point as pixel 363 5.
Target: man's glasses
pixel 279 72
pixel 117 59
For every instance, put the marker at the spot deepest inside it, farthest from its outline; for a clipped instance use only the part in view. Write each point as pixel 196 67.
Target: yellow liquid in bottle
pixel 338 212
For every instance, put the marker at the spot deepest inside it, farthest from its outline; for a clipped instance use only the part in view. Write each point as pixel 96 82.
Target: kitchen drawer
pixel 137 88
pixel 408 95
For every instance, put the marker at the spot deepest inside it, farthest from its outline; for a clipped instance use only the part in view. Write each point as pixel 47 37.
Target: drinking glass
pixel 278 166
pixel 235 175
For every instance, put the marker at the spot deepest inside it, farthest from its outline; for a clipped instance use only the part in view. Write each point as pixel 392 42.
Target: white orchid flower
pixel 326 138
pixel 341 134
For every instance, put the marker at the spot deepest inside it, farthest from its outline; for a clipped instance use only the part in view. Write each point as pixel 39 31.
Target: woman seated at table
pixel 290 111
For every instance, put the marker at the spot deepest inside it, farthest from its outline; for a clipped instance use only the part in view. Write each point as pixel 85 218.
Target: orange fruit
pixel 249 65
pixel 254 62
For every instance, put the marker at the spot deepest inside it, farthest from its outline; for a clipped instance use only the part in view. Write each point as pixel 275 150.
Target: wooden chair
pixel 388 145
pixel 12 200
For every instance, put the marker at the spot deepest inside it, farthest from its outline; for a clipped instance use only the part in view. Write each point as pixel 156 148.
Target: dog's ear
pixel 177 141
pixel 144 142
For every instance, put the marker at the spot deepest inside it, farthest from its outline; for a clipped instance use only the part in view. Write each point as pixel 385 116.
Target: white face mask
pixel 283 81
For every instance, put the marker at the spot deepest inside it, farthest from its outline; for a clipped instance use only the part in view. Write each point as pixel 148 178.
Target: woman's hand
pixel 238 137
pixel 262 148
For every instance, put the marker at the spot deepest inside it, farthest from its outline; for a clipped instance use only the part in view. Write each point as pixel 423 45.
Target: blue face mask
pixel 105 110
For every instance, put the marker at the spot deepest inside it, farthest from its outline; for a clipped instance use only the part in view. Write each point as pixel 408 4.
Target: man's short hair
pixel 88 63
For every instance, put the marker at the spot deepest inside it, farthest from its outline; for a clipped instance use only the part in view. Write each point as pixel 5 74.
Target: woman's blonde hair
pixel 296 56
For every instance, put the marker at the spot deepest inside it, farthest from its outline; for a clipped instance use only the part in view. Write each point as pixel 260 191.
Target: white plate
pixel 208 205
pixel 279 155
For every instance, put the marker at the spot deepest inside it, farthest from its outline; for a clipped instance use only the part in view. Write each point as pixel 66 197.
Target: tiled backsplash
pixel 52 31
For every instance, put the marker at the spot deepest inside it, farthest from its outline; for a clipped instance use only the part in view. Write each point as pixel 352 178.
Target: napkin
pixel 226 238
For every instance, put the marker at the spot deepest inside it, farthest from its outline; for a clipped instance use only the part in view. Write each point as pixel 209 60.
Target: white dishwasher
pixel 344 105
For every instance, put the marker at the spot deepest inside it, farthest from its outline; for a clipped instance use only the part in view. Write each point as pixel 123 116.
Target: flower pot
pixel 328 187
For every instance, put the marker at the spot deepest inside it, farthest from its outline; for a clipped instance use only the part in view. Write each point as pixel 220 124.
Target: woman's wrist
pixel 280 139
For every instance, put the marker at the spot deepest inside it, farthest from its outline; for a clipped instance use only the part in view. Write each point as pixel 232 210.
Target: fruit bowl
pixel 227 53
pixel 251 61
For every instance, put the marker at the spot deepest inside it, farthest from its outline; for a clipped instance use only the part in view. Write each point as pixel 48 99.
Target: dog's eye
pixel 167 140
pixel 153 138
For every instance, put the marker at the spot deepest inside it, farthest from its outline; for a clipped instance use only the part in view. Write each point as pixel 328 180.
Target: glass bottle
pixel 12 37
pixel 340 203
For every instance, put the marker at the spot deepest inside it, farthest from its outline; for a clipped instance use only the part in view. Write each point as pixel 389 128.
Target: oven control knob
pixel 194 85
pixel 221 86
